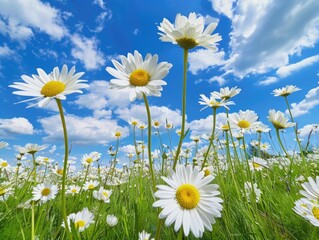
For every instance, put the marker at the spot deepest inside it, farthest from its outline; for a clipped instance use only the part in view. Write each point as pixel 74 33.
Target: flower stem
pixel 149 140
pixel 33 203
pixel 65 165
pixel 183 109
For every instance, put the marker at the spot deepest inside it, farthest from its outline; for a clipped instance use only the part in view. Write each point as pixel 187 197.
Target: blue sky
pixel 265 45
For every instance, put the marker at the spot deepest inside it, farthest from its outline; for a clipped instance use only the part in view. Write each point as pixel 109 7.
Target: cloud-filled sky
pixel 265 45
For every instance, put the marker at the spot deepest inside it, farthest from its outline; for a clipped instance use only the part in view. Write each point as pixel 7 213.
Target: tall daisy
pixel 81 220
pixel 139 75
pixel 226 93
pixel 189 32
pixel 189 200
pixel 244 120
pixel 44 192
pixel 44 87
pixel 213 102
pixel 285 91
pixel 278 120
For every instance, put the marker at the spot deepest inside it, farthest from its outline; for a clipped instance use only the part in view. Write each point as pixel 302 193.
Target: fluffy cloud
pixel 205 125
pixel 20 18
pixel 16 125
pixel 268 81
pixel 202 59
pixel 86 50
pixel 223 7
pixel 82 130
pixel 5 51
pixel 265 33
pixel 305 130
pixel 310 101
pixel 287 70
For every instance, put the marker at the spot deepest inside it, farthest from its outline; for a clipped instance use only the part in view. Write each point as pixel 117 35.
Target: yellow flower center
pixel 45 191
pixel 278 125
pixel 79 224
pixel 73 190
pixel 118 134
pixel 215 104
pixel 315 211
pixel 207 172
pixel 139 78
pixel 45 159
pixel 156 123
pixel 105 194
pixel 134 123
pixel 4 164
pixel 59 171
pixel 225 127
pixel 52 88
pixel 89 160
pixel 187 196
pixel 91 186
pixel 243 124
pixel 186 43
pixel 256 165
pixel 2 191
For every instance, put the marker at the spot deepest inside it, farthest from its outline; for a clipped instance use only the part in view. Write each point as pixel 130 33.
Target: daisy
pixel 156 124
pixel 3 144
pixel 133 121
pixel 87 159
pixel 33 148
pixel 189 32
pixel 90 185
pixel 4 165
pixel 257 164
pixel 261 128
pixel 307 210
pixel 244 120
pixel 44 87
pixel 278 120
pixel 43 160
pixel 249 190
pixel 189 200
pixel 195 138
pixel 139 76
pixel 144 235
pixel 226 93
pixel 81 220
pixel 44 192
pixel 102 195
pixel 111 220
pixel 285 91
pixel 311 189
pixel 5 191
pixel 73 189
pixel 213 102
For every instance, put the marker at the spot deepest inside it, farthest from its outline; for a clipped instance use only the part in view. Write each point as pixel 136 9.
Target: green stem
pixel 149 140
pixel 65 166
pixel 183 109
pixel 33 203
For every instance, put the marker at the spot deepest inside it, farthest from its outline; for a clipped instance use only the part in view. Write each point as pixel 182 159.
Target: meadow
pixel 227 188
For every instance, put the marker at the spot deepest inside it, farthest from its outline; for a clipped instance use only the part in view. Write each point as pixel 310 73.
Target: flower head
pixel 102 194
pixel 81 220
pixel 213 102
pixel 285 91
pixel 44 87
pixel 189 200
pixel 188 32
pixel 44 192
pixel 88 159
pixel 226 93
pixel 278 120
pixel 139 76
pixel 244 120
pixel 111 220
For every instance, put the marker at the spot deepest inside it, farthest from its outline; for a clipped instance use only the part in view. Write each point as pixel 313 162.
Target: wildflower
pixel 133 121
pixel 111 220
pixel 250 189
pixel 195 138
pixel 117 134
pixel 156 124
pixel 189 32
pixel 90 185
pixel 102 195
pixel 244 120
pixel 58 171
pixel 142 125
pixel 311 189
pixel 169 125
pixel 226 93
pixel 213 102
pixel 257 164
pixel 183 201
pixel 4 165
pixel 73 189
pixel 43 160
pixel 308 210
pixel 139 76
pixel 260 127
pixel 43 87
pixel 285 91
pixel 5 191
pixel 278 120
pixel 88 159
pixel 81 220
pixel 44 192
pixel 144 235
pixel 33 148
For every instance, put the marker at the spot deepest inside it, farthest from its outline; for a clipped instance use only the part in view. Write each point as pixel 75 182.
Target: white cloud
pixel 305 130
pixel 266 33
pixel 310 101
pixel 101 19
pixel 101 3
pixel 220 80
pixel 52 149
pixel 82 130
pixel 5 51
pixel 128 149
pixel 136 31
pixel 202 59
pixel 16 125
pixel 287 70
pixel 100 96
pixel 160 114
pixel 224 7
pixel 205 125
pixel 268 81
pixel 21 18
pixel 86 50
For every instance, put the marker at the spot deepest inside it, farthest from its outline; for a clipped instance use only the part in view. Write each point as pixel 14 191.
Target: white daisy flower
pixel 189 200
pixel 5 191
pixel 44 192
pixel 250 189
pixel 311 189
pixel 32 148
pixel 257 164
pixel 139 76
pixel 144 235
pixel 244 120
pixel 44 87
pixel 73 189
pixel 81 220
pixel 278 120
pixel 5 165
pixel 213 102
pixel 133 122
pixel 102 195
pixel 88 159
pixel 111 220
pixel 43 160
pixel 188 32
pixel 308 210
pixel 226 93
pixel 90 185
pixel 285 91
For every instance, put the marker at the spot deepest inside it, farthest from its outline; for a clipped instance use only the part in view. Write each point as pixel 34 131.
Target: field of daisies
pixel 230 188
